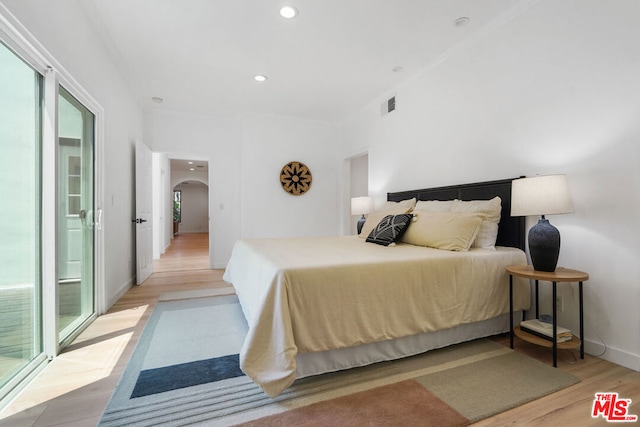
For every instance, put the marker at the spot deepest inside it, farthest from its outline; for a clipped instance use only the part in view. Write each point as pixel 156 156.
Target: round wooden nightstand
pixel 560 275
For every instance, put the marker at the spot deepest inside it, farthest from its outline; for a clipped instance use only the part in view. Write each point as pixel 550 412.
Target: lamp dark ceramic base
pixel 361 222
pixel 544 246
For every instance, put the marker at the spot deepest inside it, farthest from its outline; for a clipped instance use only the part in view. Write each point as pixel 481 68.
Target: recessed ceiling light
pixel 190 163
pixel 288 12
pixel 157 100
pixel 462 21
pixel 260 78
pixel 192 169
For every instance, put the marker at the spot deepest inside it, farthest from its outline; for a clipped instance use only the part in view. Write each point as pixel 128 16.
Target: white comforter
pixel 311 294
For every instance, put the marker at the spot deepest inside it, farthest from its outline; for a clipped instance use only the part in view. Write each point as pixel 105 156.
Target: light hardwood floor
pixel 74 389
pixel 186 252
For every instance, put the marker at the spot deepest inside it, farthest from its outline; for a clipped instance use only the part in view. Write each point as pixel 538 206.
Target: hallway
pixel 188 251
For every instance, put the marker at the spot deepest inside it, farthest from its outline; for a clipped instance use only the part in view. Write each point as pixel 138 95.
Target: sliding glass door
pixel 50 246
pixel 20 207
pixel 75 214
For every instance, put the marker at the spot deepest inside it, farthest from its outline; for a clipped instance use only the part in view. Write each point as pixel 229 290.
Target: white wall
pixel 162 204
pixel 63 30
pixel 555 90
pixel 269 143
pixel 180 176
pixel 217 140
pixel 245 156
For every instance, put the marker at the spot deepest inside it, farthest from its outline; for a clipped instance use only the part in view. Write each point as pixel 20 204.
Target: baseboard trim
pixel 612 354
pixel 123 290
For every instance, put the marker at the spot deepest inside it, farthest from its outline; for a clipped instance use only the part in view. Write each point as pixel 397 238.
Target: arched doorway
pixel 190 207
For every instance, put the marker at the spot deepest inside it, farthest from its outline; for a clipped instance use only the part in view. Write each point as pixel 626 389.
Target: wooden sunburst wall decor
pixel 295 178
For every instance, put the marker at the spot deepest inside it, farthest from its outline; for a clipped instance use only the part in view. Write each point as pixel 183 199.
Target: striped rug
pixel 182 373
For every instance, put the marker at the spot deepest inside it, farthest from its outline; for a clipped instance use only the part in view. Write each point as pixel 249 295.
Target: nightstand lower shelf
pixel 525 336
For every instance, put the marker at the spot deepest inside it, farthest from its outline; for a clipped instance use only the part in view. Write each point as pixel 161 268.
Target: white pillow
pixel 403 204
pixel 435 205
pixel 451 231
pixel 488 232
pixel 389 208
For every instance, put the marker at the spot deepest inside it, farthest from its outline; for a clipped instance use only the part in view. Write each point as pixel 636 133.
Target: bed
pixel 322 304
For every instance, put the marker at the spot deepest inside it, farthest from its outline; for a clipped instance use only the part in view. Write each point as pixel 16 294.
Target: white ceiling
pixel 335 57
pixel 180 165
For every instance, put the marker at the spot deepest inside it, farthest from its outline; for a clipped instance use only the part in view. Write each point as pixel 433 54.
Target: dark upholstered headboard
pixel 511 230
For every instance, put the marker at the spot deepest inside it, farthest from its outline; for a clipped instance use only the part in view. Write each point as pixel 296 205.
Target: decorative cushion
pixel 389 208
pixel 452 231
pixel 390 229
pixel 435 205
pixel 488 232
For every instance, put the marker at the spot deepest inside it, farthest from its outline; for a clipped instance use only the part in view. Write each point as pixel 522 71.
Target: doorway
pixel 190 207
pixel 359 183
pixel 183 199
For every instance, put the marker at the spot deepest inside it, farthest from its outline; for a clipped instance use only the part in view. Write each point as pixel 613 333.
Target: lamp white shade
pixel 361 205
pixel 540 195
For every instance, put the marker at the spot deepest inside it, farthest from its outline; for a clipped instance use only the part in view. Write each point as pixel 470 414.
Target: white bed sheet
pixel 321 362
pixel 310 295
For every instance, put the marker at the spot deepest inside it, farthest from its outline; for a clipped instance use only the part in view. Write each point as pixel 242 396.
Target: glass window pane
pixel 74 166
pixel 75 219
pixel 20 295
pixel 74 185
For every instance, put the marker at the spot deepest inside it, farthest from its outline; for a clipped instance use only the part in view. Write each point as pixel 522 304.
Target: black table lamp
pixel 542 195
pixel 361 206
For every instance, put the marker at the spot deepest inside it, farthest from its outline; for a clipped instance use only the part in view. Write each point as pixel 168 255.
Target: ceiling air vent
pixel 388 106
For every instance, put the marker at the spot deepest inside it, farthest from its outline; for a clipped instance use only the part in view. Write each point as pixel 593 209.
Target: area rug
pixel 184 371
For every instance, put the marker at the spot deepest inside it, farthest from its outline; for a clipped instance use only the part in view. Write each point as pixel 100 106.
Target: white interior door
pixel 144 225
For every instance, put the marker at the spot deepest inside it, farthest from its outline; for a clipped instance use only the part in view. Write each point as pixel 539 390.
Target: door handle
pixel 138 220
pixel 98 221
pixel 85 219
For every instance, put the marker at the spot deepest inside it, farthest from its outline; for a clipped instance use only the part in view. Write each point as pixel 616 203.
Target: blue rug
pixel 159 380
pixel 185 344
